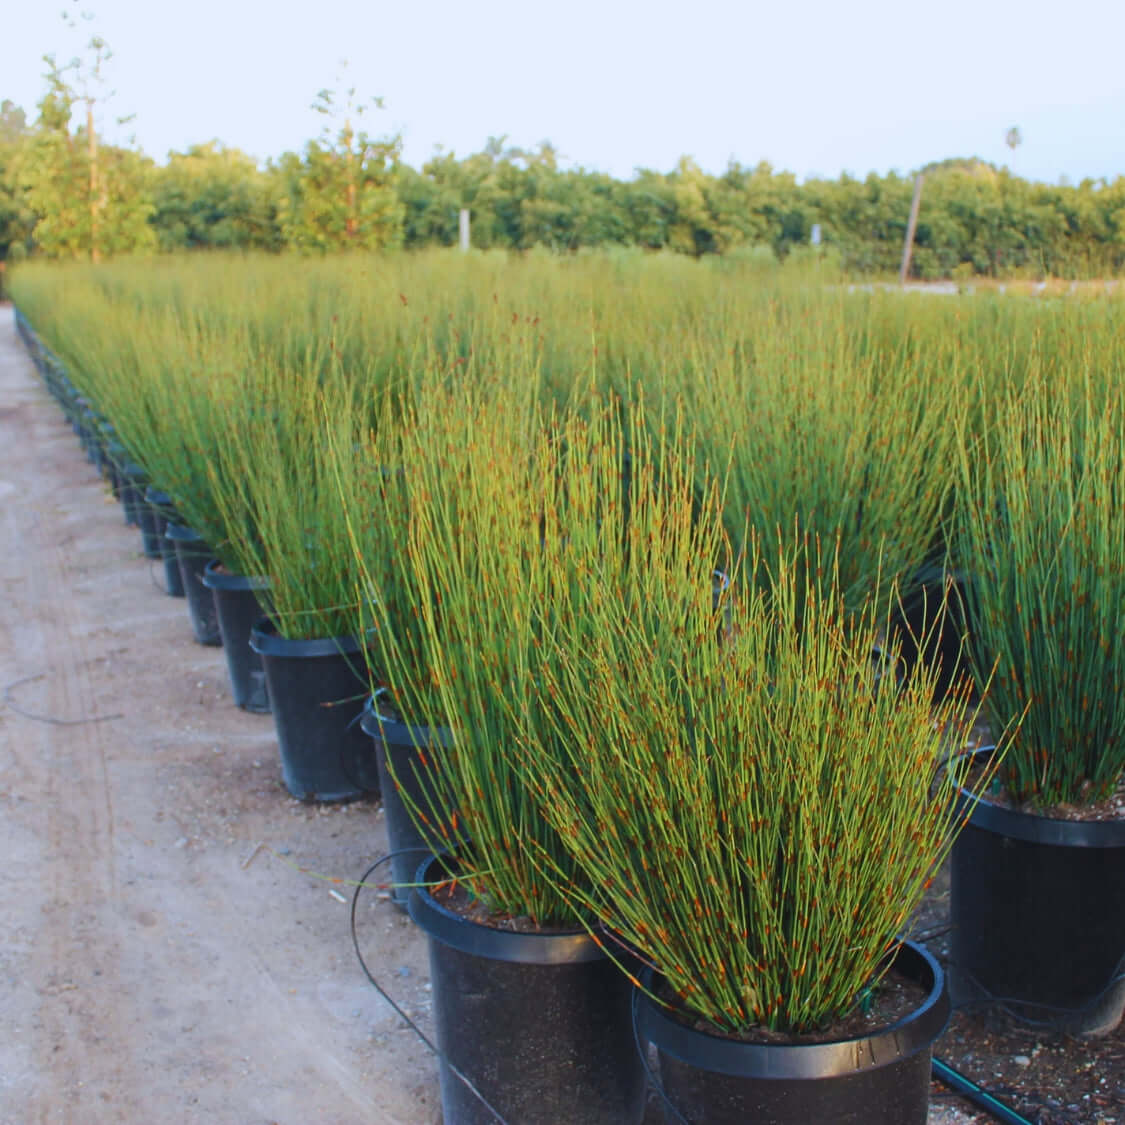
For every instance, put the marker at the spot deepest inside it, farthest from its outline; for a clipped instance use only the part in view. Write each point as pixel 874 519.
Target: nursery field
pixel 148 971
pixel 663 596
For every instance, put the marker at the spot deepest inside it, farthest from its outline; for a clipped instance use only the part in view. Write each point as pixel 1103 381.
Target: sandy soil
pixel 146 974
pixel 150 974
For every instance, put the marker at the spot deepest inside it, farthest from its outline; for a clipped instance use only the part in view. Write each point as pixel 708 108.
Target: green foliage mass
pixel 517 475
pixel 862 420
pixel 87 199
pixel 213 197
pixel 351 190
pixel 16 220
pixel 1042 529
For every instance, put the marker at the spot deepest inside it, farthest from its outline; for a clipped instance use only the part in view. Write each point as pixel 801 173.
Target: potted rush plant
pixel 749 798
pixel 508 516
pixel 1036 895
pixel 274 481
pixel 406 726
pixel 407 461
pixel 847 440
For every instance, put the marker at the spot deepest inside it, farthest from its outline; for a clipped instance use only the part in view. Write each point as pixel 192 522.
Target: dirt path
pixel 149 975
pixel 146 975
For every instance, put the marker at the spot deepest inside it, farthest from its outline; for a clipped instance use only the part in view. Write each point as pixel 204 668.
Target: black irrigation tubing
pixel 10 703
pixel 981 1098
pixel 1006 1003
pixel 433 1047
pixel 971 1092
pixel 931 935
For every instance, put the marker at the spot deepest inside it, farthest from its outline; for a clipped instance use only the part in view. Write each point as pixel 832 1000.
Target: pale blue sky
pixel 816 88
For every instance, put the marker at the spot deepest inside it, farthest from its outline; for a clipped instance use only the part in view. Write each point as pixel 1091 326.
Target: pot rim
pixel 893 1043
pixel 1033 828
pixel 569 947
pixel 214 580
pixel 181 533
pixel 393 732
pixel 265 641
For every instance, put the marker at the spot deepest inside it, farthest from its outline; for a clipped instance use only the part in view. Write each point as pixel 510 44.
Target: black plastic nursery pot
pixel 71 403
pixel 238 608
pixel 80 413
pixel 410 754
pixel 116 458
pixel 134 481
pixel 1037 907
pixel 877 1079
pixel 931 635
pixel 193 555
pixel 152 529
pixel 317 690
pixel 107 435
pixel 91 437
pixel 539 1023
pixel 163 513
pixel 100 458
pixel 52 376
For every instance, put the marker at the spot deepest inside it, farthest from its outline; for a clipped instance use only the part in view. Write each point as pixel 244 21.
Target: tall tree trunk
pixel 352 225
pixel 911 226
pixel 96 200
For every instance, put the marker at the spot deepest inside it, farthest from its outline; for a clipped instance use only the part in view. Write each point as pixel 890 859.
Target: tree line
pixel 66 194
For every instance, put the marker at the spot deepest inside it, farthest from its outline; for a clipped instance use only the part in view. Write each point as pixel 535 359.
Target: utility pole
pixel 908 245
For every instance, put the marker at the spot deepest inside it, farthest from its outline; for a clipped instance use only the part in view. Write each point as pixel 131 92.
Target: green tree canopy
pixel 342 193
pixel 87 198
pixel 214 197
pixel 16 221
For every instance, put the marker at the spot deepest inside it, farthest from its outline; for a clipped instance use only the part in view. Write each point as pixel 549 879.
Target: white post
pixel 464 228
pixel 911 226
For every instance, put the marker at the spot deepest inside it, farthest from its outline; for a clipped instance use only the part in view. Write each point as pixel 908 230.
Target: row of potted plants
pixel 474 610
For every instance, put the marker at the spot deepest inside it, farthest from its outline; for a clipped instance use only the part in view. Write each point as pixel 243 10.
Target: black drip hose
pixel 971 1092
